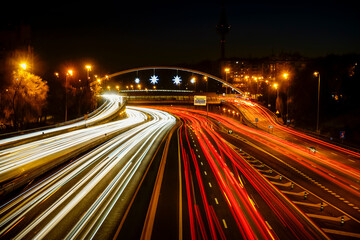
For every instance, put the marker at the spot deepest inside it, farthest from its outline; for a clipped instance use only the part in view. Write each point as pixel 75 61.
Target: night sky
pixel 119 35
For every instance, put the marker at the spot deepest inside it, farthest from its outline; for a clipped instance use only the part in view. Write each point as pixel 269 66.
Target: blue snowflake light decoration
pixel 177 80
pixel 154 79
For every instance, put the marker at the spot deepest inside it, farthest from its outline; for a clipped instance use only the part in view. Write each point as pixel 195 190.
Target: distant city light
pixel 137 80
pixel 177 80
pixel 154 79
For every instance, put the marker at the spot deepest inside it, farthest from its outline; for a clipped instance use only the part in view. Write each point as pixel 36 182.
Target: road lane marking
pixel 227 199
pixel 298 171
pixel 329 218
pixel 317 205
pixel 180 188
pixel 150 215
pixel 210 184
pixel 343 233
pixel 268 225
pixel 205 173
pixel 216 201
pixel 294 193
pixel 224 222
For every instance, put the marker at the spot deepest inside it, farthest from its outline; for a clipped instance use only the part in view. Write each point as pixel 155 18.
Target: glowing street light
pixel 285 75
pixel 137 80
pixel 88 68
pixel 23 66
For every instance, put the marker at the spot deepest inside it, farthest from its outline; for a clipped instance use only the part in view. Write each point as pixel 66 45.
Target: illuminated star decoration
pixel 177 80
pixel 137 80
pixel 154 79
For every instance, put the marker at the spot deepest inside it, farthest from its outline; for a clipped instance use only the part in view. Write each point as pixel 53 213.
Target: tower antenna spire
pixel 222 29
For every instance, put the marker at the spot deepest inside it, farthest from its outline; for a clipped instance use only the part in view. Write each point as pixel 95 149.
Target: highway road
pixel 325 150
pixel 86 197
pixel 302 168
pixel 147 176
pixel 217 191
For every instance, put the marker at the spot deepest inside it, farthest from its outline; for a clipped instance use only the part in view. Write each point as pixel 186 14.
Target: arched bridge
pixel 209 76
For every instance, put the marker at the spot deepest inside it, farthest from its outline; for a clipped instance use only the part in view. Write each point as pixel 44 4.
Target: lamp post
pixel 286 76
pixel 276 86
pixel 69 73
pixel 88 68
pixel 317 74
pixel 193 81
pixel 227 70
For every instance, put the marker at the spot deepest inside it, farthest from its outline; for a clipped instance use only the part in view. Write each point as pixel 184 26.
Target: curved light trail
pixel 330 161
pixel 90 193
pixel 109 108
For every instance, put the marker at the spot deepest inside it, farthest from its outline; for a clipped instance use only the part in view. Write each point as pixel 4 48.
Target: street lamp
pixel 276 87
pixel 286 76
pixel 317 74
pixel 69 73
pixel 88 68
pixel 23 66
pixel 227 70
pixel 193 81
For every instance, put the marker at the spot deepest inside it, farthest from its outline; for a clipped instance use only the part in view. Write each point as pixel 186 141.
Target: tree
pixel 24 98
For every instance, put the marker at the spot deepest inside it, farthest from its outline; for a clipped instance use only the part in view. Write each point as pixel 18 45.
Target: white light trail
pixel 106 171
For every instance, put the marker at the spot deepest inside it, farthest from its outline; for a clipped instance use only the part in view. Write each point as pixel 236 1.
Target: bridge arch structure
pixel 209 76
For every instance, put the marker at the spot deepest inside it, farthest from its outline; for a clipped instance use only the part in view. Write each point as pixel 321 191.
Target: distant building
pixel 244 73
